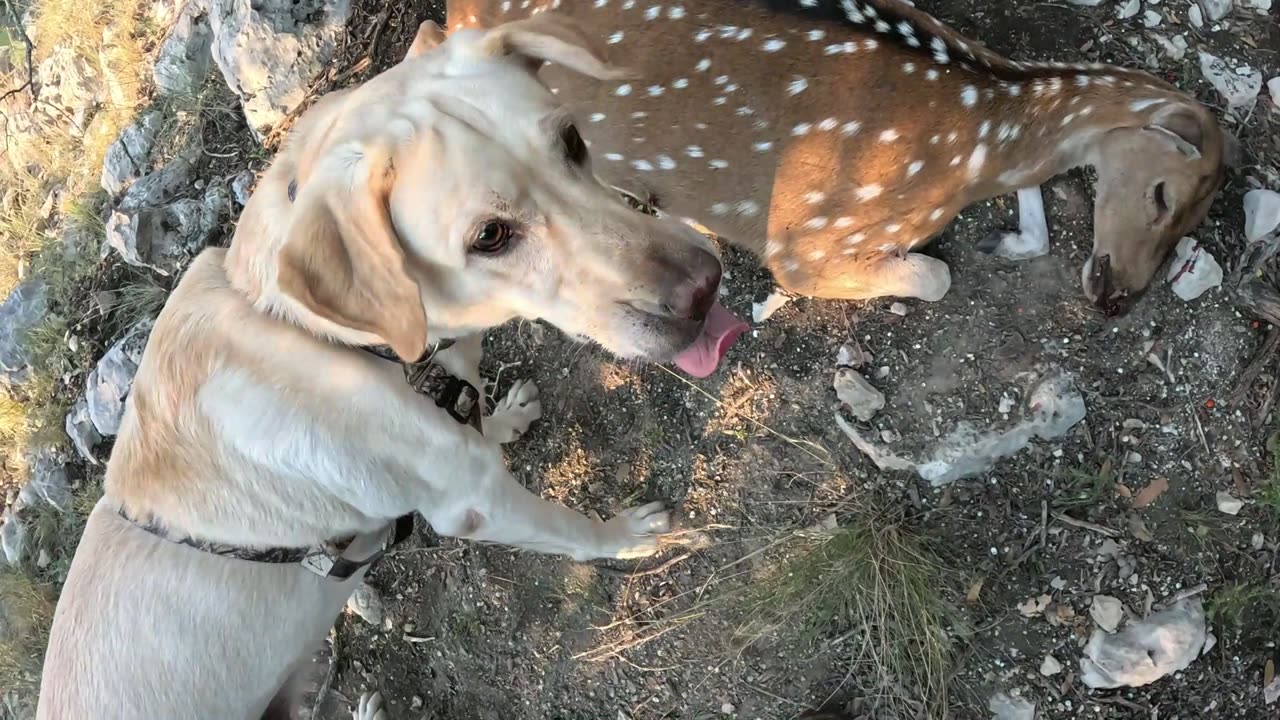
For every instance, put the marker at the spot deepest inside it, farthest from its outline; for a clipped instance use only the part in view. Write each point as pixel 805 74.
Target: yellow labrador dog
pixel 265 453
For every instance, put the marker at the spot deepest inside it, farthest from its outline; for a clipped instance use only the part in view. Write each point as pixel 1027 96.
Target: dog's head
pixel 453 192
pixel 1156 183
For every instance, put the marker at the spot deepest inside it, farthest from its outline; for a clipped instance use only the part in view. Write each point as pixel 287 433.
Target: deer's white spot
pixel 813 197
pixel 665 162
pixel 762 147
pixel 906 29
pixel 871 44
pixel 957 160
pixel 701 35
pixel 853 12
pixel 680 83
pixel 743 34
pixel 952 137
pixel 748 208
pixel 628 4
pixel 843 221
pixel 828 125
pixel 797 85
pixel 718 164
pixel 937 213
pixel 744 111
pixel 1014 89
pixel 596 117
pixel 801 129
pixel 1140 105
pixel 653 12
pixel 1082 81
pixel 601 3
pixel 642 165
pixel 817 254
pixel 977 159
pixel 915 167
pixel 622 90
pixel 969 96
pixel 723 209
pixel 939 48
pixel 731 87
pixel 675 12
pixel 656 90
pixel 815 223
pixel 855 238
pixel 815 35
pixel 639 115
pixel 614 157
pixel 506 6
pixel 850 128
pixel 615 38
pixel 984 128
pixel 888 136
pixel 773 45
pixel 1066 120
pixel 1087 110
pixel 693 151
pixel 721 79
pixel 882 26
pixel 1107 79
pixel 930 74
pixel 908 68
pixel 1005 132
pixel 703 64
pixel 893 227
pixel 867 192
pixel 720 101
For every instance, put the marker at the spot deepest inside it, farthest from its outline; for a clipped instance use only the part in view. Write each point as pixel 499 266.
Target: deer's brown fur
pixel 837 139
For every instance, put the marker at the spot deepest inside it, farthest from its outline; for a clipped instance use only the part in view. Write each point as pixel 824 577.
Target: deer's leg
pixel 1032 237
pixel 859 277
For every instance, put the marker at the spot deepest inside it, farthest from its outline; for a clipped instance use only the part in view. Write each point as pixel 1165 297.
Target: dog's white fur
pixel 254 422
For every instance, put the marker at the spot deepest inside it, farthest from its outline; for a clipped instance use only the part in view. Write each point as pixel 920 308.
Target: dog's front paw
pixel 635 532
pixel 514 413
pixel 370 708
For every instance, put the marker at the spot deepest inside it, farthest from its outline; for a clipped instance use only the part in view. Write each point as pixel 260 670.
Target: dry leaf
pixel 1035 606
pixel 1123 490
pixel 1060 614
pixel 1268 672
pixel 1148 494
pixel 974 590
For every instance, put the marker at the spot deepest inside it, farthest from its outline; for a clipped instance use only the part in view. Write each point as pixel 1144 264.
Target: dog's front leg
pixel 498 509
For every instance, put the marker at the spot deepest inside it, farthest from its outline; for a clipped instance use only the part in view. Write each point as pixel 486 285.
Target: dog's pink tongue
pixel 718 334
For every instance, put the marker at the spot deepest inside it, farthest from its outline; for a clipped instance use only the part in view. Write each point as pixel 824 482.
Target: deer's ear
pixel 551 38
pixel 1181 128
pixel 429 37
pixel 343 261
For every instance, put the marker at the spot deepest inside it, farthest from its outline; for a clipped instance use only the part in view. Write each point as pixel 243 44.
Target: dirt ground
pixel 754 453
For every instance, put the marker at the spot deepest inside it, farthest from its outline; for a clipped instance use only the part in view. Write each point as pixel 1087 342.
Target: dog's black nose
pixel 693 298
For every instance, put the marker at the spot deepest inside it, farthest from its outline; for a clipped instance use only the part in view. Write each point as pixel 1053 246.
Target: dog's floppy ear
pixel 553 38
pixel 429 37
pixel 343 261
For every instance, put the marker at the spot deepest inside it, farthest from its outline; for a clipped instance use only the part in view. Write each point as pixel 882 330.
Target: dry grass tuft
pixel 26 612
pixel 871 591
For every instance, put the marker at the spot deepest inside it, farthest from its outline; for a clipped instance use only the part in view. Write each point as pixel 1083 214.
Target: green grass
pixel 26 612
pixel 1083 488
pixel 876 585
pixel 1246 613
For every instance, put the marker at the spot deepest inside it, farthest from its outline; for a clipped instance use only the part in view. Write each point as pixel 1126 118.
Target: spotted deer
pixel 836 138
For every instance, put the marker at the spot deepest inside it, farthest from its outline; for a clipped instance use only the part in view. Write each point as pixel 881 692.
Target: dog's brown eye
pixel 492 237
pixel 574 147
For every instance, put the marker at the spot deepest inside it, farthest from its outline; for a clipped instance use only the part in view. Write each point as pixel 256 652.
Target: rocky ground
pixel 1150 505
